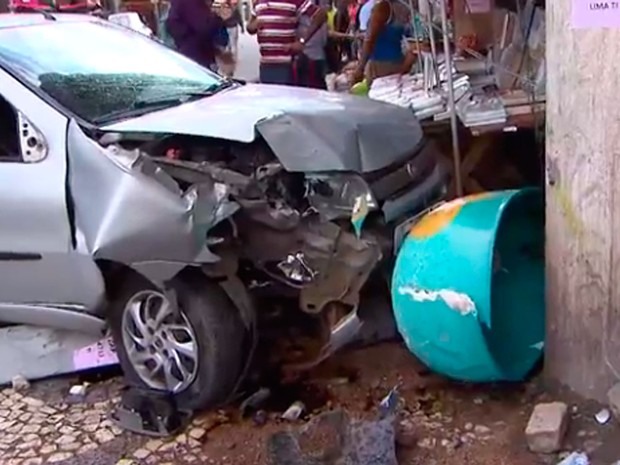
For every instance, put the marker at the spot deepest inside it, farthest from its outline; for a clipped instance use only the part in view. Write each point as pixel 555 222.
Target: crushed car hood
pixel 308 130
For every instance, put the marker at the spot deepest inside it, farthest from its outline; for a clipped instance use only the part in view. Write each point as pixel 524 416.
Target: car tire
pixel 215 323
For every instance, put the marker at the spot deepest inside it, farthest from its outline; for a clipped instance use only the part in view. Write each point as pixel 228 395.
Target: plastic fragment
pixel 78 390
pixel 294 411
pixel 388 404
pixel 603 416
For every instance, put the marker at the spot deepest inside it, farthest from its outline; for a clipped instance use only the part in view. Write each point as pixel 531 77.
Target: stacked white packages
pixel 407 91
pixel 481 110
pixel 462 88
pixel 389 89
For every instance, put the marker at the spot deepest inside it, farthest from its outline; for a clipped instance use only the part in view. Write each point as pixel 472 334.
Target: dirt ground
pixel 441 422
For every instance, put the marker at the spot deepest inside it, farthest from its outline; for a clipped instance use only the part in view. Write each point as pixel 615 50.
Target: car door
pixel 43 280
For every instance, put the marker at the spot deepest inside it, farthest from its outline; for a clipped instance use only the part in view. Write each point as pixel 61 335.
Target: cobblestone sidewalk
pixel 38 430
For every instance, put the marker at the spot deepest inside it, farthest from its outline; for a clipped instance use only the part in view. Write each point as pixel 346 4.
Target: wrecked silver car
pixel 147 195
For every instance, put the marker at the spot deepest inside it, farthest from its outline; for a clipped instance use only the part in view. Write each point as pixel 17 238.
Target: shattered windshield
pixel 101 72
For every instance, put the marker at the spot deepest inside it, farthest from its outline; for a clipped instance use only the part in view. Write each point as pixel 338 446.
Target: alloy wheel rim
pixel 160 342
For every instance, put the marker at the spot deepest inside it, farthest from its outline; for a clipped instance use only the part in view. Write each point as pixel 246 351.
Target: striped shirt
pixel 278 22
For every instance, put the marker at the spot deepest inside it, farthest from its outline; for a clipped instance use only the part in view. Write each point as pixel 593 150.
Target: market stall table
pixel 481 140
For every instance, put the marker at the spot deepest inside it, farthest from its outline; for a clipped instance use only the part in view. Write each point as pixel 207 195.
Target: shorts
pixel 376 69
pixel 310 73
pixel 276 73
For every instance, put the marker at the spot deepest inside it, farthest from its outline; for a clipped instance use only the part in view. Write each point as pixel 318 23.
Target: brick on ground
pixel 547 427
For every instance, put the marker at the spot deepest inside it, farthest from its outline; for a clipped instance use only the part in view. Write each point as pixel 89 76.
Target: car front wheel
pixel 191 348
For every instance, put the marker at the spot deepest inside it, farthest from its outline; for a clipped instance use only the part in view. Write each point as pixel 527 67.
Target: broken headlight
pixel 334 196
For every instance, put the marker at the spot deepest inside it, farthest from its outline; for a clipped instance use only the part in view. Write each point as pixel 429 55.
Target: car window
pixel 9 135
pixel 95 69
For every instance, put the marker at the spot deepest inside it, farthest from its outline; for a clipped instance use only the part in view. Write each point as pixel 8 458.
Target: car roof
pixel 11 20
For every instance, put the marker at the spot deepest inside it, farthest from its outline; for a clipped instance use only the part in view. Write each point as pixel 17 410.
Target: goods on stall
pixel 408 91
pixel 476 110
pixel 468 287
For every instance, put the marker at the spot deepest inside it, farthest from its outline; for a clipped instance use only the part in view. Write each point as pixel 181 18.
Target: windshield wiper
pixel 224 84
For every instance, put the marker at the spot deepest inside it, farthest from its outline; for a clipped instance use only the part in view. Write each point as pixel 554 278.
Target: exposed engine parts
pixel 316 237
pixel 296 269
pixel 283 235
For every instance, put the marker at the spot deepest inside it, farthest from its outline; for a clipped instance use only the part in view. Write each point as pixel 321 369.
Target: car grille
pixel 392 181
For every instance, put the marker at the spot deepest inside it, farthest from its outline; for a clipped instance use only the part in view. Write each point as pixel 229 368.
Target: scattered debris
pixel 613 396
pixel 260 418
pixel 482 430
pixel 149 412
pixel 576 458
pixel 591 445
pixel 469 426
pixel 405 434
pixel 19 383
pixel 255 401
pixel 340 381
pixel 294 412
pixel 389 403
pixel 333 437
pixel 197 433
pixel 603 416
pixel 427 443
pixel 547 427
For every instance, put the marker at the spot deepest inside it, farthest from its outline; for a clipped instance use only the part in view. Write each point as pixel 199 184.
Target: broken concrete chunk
pixel 547 427
pixel 613 396
pixel 482 430
pixel 78 390
pixel 19 383
pixel 333 437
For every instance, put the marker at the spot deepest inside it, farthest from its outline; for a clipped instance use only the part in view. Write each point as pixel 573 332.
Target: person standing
pixel 364 15
pixel 276 25
pixel 226 52
pixel 195 30
pixel 234 23
pixel 310 66
pixel 382 52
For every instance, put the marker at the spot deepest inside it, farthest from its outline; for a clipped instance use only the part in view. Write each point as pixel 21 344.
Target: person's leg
pixel 301 71
pixel 233 37
pixel 233 40
pixel 321 73
pixel 236 42
pixel 314 74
